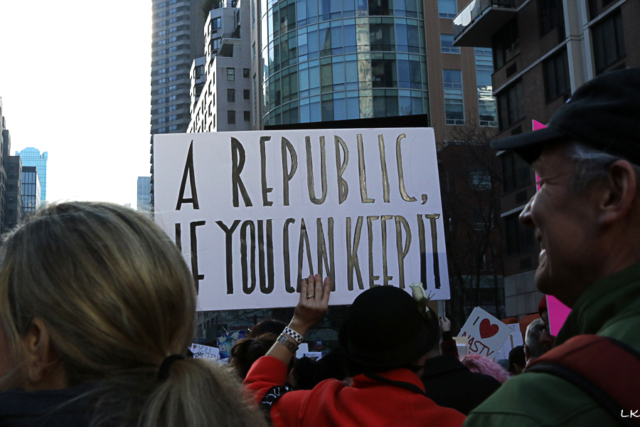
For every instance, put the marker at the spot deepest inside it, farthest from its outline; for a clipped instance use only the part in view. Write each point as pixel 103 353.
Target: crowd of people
pixel 98 308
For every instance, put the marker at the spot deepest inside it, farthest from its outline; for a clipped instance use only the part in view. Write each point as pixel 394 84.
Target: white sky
pixel 75 81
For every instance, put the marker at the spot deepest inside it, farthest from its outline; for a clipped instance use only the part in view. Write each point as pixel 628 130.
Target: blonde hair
pixel 117 298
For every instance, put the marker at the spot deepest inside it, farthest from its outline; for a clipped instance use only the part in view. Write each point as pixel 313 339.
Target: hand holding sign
pixel 313 304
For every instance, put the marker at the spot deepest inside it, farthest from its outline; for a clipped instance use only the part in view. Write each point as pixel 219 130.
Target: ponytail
pixel 199 393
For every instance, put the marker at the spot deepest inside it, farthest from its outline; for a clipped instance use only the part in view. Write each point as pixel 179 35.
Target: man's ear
pixel 619 193
pixel 43 368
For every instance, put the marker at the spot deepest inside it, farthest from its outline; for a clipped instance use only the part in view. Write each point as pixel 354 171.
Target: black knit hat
pixel 384 329
pixel 604 113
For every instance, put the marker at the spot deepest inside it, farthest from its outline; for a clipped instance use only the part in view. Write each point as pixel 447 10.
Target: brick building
pixel 542 51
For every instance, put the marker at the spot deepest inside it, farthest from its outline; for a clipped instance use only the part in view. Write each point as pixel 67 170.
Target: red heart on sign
pixel 487 330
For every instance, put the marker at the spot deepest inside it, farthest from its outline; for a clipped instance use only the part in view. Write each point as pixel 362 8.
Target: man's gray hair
pixel 592 166
pixel 532 338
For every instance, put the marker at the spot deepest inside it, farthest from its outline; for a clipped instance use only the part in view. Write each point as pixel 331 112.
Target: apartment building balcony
pixel 477 22
pixel 228 41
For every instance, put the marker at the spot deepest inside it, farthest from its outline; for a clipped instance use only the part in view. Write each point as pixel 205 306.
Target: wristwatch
pixel 282 339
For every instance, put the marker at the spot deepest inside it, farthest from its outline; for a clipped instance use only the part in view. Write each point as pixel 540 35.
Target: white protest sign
pixel 486 334
pixel 253 212
pixel 315 355
pixel 302 349
pixel 205 351
pixel 514 340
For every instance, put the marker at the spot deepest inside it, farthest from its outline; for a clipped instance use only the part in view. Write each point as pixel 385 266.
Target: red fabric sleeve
pixel 267 372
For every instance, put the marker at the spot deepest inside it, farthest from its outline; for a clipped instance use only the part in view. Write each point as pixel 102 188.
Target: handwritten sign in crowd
pixel 486 334
pixel 204 351
pixel 255 212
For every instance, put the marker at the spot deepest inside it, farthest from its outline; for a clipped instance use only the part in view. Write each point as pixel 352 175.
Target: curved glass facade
pixel 342 59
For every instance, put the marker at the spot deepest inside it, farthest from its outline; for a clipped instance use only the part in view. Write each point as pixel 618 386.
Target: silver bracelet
pixel 293 334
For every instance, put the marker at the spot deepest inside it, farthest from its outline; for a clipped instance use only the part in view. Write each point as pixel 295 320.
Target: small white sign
pixel 514 340
pixel 205 352
pixel 315 355
pixel 302 350
pixel 486 334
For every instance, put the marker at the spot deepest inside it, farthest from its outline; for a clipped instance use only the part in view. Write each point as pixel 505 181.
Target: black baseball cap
pixel 604 113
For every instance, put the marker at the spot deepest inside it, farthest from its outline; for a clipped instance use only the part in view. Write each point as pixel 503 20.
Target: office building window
pixel 215 45
pixel 608 41
pixel 453 100
pixel 480 179
pixel 231 95
pixel 255 97
pixel 247 94
pixel 511 105
pixel 231 117
pixel 383 73
pixel 487 107
pixel 247 116
pixel 447 8
pixel 551 15
pixel 216 23
pixel 245 73
pixel 506 44
pixel 231 74
pixel 173 128
pixel 446 44
pixel 556 76
pixel 381 34
pixel 515 171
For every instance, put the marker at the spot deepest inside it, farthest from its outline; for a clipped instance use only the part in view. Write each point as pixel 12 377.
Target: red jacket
pixel 366 403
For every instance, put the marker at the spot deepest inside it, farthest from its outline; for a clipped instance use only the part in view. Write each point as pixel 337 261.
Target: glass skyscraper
pixel 327 60
pixel 31 190
pixel 144 194
pixel 31 157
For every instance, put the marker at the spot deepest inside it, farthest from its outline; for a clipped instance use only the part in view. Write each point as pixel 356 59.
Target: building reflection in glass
pixel 329 60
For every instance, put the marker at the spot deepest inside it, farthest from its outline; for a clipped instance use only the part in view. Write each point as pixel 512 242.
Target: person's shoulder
pixel 66 407
pixel 485 380
pixel 536 399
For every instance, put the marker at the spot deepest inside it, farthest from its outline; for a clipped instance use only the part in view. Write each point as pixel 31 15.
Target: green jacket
pixel 611 308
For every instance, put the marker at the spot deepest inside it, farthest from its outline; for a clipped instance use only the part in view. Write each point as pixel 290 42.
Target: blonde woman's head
pixel 97 293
